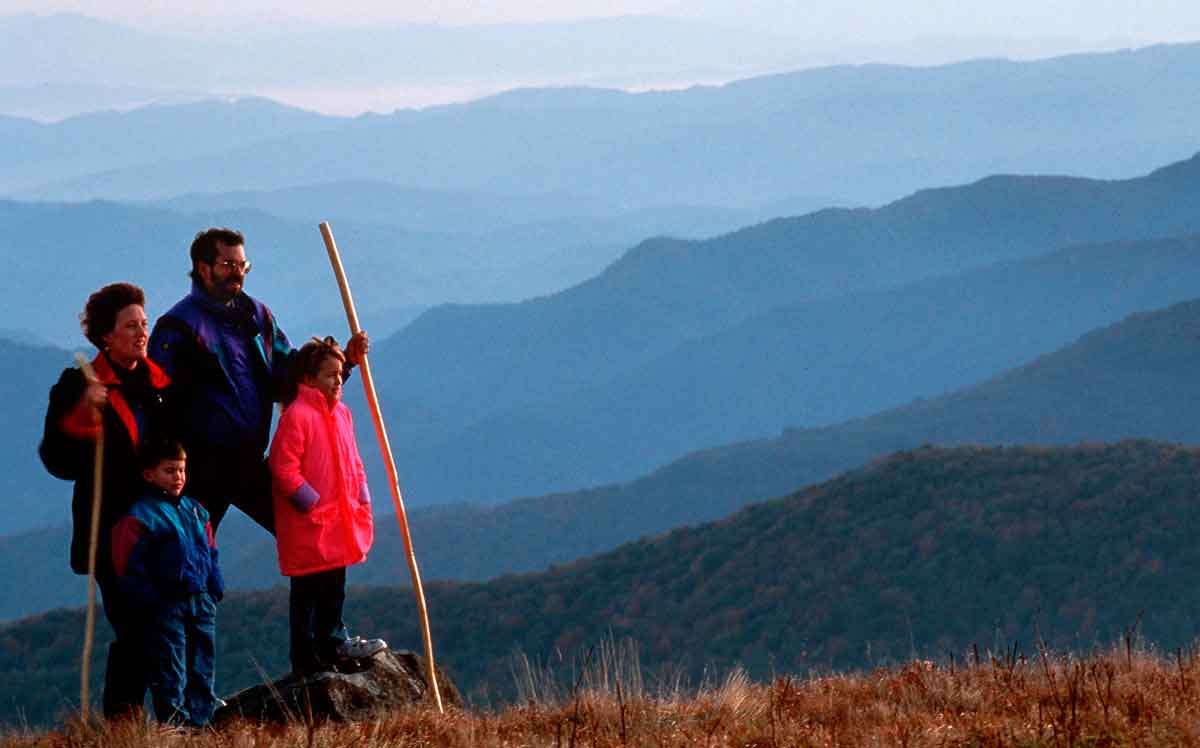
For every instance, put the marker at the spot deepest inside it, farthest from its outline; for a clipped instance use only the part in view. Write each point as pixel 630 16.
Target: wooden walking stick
pixel 393 479
pixel 93 540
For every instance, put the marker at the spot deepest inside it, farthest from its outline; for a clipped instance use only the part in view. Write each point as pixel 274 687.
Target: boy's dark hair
pixel 307 362
pixel 204 246
pixel 155 451
pixel 100 313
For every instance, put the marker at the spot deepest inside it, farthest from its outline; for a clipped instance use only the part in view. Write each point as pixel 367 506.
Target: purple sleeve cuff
pixel 305 498
pixel 364 494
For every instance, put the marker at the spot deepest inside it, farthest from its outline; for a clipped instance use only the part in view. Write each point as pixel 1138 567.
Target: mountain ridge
pixel 480 362
pixel 813 364
pixel 736 146
pixel 104 142
pixel 1132 379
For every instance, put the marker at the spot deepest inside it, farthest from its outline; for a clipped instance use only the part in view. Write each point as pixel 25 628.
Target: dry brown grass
pixel 1116 698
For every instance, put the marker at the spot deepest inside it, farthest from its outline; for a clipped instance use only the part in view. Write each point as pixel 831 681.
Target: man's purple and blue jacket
pixel 229 362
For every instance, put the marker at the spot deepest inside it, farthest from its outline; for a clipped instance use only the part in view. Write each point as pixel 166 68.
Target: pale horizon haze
pixel 772 36
pixel 866 20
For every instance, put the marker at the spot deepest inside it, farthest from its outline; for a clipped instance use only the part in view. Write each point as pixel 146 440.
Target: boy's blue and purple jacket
pixel 164 550
pixel 228 361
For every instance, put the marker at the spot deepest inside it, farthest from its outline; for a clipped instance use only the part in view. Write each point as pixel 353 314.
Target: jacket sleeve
pixel 216 580
pixel 287 449
pixel 132 551
pixel 67 436
pixel 281 354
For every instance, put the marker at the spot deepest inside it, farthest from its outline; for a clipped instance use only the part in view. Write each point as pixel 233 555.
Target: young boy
pixel 166 563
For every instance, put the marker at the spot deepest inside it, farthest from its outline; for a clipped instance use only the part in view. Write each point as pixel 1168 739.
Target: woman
pixel 129 402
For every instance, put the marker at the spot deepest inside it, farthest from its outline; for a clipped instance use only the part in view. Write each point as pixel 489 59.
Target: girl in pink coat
pixel 322 508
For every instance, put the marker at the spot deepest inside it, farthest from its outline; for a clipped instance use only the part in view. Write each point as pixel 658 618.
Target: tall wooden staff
pixel 385 446
pixel 93 539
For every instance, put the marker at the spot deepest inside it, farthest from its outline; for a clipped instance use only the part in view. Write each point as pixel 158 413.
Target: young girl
pixel 322 508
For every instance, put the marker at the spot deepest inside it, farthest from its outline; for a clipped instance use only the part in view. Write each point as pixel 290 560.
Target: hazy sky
pixel 1146 20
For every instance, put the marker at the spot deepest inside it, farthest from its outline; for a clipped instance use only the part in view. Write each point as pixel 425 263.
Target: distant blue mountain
pixel 12 127
pixel 58 101
pixel 391 267
pixel 808 364
pixel 521 246
pixel 104 141
pixel 656 349
pixel 71 48
pixel 377 201
pixel 480 213
pixel 32 497
pixel 625 50
pixel 865 133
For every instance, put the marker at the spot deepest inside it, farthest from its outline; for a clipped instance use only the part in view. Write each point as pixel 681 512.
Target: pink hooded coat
pixel 322 506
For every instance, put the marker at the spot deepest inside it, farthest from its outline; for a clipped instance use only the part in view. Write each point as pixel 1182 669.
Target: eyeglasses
pixel 230 266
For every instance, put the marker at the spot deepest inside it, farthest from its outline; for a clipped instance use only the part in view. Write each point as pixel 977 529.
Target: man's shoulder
pixel 180 322
pixel 187 310
pixel 189 319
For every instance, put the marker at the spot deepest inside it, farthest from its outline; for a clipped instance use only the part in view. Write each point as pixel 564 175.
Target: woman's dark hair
pixel 307 362
pixel 154 451
pixel 100 313
pixel 204 246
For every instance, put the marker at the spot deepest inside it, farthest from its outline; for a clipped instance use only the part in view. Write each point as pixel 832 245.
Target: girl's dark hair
pixel 100 313
pixel 154 451
pixel 307 362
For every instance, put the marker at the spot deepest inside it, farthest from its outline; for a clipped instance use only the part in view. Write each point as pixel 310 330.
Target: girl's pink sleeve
pixel 287 448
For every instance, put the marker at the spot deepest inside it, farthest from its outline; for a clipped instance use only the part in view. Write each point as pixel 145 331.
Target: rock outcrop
pixel 385 682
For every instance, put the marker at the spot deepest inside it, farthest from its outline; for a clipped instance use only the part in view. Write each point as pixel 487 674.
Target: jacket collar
pixel 314 397
pixel 201 297
pixel 106 372
pixel 154 492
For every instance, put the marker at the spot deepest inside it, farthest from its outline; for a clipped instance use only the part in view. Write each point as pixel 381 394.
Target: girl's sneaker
pixel 357 648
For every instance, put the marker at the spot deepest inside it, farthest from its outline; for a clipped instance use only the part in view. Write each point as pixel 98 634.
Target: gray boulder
pixel 380 684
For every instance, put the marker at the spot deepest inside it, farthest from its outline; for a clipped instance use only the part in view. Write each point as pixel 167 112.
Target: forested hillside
pixel 928 552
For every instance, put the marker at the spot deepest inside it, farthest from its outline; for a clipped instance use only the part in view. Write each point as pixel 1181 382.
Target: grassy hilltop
pixel 1118 697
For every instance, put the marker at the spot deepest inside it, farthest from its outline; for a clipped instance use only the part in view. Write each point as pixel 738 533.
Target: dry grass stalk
pixel 1113 698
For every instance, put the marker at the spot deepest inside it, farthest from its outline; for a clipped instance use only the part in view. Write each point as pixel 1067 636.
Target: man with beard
pixel 227 357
